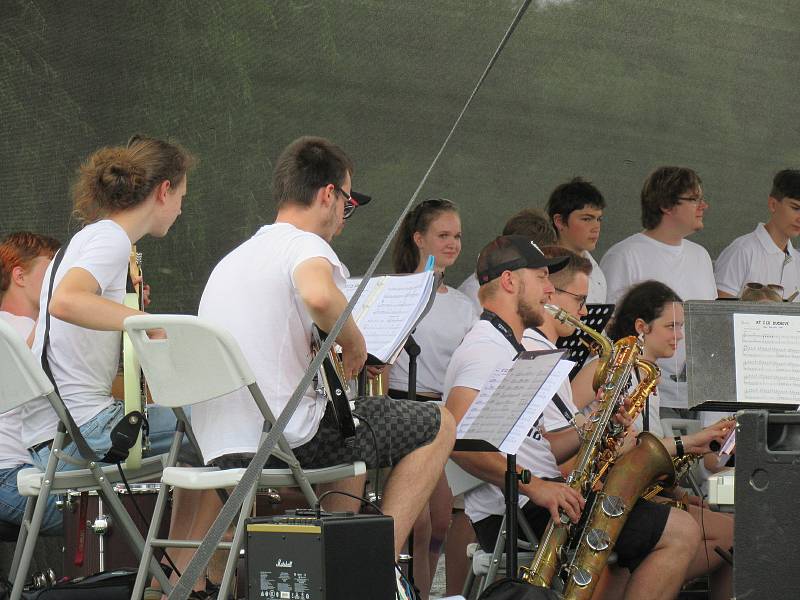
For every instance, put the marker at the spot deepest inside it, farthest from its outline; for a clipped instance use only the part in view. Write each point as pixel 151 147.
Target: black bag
pixel 106 585
pixel 516 589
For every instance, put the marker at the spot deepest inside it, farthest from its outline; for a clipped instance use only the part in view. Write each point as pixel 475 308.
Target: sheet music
pixel 513 398
pixel 389 308
pixel 767 358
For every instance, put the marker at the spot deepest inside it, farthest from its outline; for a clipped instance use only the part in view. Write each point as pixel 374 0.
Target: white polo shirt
pixel 754 257
pixel 483 349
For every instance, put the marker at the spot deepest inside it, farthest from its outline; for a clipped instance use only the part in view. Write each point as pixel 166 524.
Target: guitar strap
pixel 124 433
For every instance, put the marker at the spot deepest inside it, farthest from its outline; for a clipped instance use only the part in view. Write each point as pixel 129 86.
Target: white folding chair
pixel 23 380
pixel 198 362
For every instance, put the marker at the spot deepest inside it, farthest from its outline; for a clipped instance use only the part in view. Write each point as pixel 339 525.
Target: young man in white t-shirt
pixel 268 293
pixel 659 542
pixel 673 206
pixel 532 223
pixel 24 257
pixel 576 209
pixel 766 255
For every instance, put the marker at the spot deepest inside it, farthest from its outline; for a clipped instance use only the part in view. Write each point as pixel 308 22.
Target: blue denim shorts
pixel 12 505
pixel 97 433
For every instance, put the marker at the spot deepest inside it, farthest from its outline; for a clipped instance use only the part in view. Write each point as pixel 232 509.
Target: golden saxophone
pixel 649 374
pixel 682 465
pixel 628 478
pixel 616 362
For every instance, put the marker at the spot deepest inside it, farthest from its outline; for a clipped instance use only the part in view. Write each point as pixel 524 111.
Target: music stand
pixel 502 415
pixel 576 344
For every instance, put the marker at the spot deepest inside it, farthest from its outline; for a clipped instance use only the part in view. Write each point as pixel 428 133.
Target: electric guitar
pixel 333 386
pixel 135 386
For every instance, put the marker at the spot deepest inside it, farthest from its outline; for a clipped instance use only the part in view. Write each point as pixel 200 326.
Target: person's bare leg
pixel 414 477
pixel 423 576
pixel 460 535
pixel 340 502
pixel 661 575
pixel 441 511
pixel 193 512
pixel 718 531
pixel 612 584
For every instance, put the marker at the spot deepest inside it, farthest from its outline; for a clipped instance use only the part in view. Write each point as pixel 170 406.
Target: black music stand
pixel 578 344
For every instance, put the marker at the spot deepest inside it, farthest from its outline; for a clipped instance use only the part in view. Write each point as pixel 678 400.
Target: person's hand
pixel 144 290
pixel 374 370
pixel 621 417
pixel 553 496
pixel 157 334
pixel 698 443
pixel 353 358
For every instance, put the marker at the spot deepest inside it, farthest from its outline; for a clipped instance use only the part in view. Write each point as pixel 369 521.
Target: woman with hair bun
pixel 121 194
pixel 433 228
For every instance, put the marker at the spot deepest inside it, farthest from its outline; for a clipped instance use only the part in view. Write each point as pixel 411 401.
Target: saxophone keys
pixel 613 506
pixel 581 577
pixel 598 539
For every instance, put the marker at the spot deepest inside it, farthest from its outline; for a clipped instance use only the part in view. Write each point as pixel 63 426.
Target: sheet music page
pixel 767 358
pixel 388 309
pixel 510 403
pixel 480 401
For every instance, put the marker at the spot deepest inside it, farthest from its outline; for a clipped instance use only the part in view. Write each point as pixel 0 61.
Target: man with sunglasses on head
pixel 673 206
pixel 268 292
pixel 766 255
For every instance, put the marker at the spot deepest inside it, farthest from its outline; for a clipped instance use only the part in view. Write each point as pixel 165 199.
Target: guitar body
pixel 132 371
pixel 335 389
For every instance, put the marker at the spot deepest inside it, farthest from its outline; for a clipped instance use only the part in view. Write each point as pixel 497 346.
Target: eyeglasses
pixel 752 285
pixel 350 203
pixel 693 199
pixel 579 297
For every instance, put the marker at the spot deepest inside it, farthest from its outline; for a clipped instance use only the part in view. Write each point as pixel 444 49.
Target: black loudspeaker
pixel 336 556
pixel 767 530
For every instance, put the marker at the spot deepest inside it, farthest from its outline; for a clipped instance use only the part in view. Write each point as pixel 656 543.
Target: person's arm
pixel 313 279
pixel 698 443
pixel 564 443
pixel 77 300
pixel 491 467
pixel 721 294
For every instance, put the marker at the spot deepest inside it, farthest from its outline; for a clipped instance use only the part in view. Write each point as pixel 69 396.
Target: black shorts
pixel 388 431
pixel 637 539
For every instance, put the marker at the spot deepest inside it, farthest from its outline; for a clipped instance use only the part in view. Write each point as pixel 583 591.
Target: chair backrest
pixel 21 376
pixel 196 362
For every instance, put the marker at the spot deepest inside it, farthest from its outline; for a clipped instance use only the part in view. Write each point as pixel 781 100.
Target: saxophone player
pixel 658 542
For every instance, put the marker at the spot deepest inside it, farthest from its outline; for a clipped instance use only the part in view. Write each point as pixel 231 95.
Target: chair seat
pixel 29 481
pixel 481 561
pixel 203 478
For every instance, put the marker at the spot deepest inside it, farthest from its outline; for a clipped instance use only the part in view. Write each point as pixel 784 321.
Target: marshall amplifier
pixel 302 556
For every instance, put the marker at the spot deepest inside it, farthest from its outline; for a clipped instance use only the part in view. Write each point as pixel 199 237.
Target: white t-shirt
pixel 686 268
pixel 754 257
pixel 83 361
pixel 597 283
pixel 469 287
pixel 483 349
pixel 438 335
pixel 12 450
pixel 252 294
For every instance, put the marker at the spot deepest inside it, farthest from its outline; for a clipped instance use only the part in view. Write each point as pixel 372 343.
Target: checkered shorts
pixel 388 430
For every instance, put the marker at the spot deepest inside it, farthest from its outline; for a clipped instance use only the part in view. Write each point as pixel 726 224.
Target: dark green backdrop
pixel 606 90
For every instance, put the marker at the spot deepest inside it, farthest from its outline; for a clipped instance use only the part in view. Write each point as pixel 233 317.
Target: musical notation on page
pixel 767 358
pixel 389 309
pixel 513 398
